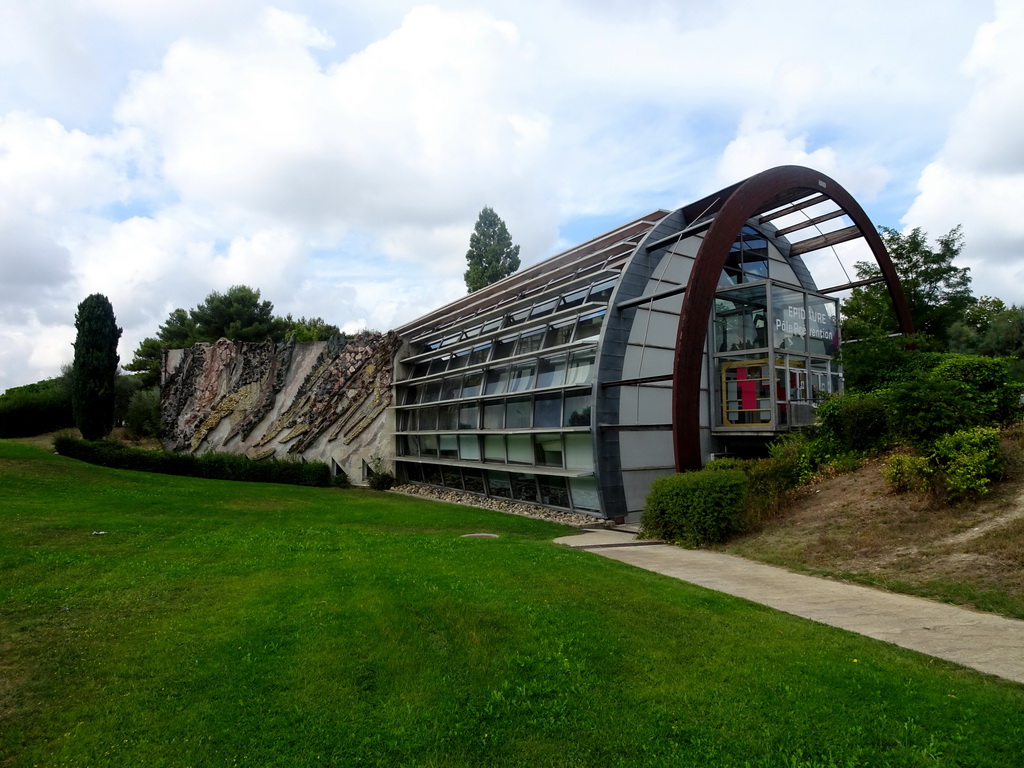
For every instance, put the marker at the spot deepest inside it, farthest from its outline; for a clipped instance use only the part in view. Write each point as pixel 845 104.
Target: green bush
pixel 217 466
pixel 695 508
pixel 957 392
pixel 142 416
pixel 853 422
pixel 35 408
pixel 905 472
pixel 379 479
pixel 968 460
pixel 768 480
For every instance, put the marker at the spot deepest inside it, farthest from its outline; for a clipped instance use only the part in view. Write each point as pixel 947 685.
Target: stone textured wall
pixel 319 401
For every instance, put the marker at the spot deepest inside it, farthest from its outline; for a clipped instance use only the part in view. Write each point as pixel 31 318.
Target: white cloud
pixel 977 179
pixel 335 155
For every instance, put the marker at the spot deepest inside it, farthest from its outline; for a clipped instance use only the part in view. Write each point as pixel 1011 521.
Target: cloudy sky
pixel 335 153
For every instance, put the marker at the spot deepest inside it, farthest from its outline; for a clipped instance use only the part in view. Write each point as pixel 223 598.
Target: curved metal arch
pixel 745 201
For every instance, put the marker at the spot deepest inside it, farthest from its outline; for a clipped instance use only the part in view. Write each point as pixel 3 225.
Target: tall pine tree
pixel 94 370
pixel 491 255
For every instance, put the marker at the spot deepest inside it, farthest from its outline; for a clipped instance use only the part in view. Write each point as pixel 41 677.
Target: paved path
pixel 983 641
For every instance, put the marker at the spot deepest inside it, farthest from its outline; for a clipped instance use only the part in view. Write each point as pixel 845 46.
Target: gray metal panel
pixel 655 406
pixel 636 484
pixel 647 449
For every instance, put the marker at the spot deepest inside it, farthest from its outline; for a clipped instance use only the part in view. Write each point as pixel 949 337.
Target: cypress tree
pixel 491 255
pixel 94 371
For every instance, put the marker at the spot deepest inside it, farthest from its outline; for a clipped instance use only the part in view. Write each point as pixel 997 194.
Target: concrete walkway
pixel 983 641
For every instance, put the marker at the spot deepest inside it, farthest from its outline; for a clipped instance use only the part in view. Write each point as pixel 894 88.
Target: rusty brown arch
pixel 755 195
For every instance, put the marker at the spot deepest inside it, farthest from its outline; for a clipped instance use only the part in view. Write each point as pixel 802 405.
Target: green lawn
pixel 220 624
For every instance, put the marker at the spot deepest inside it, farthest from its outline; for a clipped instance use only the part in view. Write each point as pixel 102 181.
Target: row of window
pixel 566 331
pixel 562 450
pixel 570 493
pixel 540 411
pixel 599 293
pixel 565 370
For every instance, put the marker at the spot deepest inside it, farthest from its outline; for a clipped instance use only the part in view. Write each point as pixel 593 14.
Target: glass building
pixel 648 350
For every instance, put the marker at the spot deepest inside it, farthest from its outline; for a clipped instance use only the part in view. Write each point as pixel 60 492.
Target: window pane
pixel 411 395
pixel 447 417
pixel 522 377
pixel 579 451
pixel 517 317
pixel 449 447
pixel 547 411
pixel 548 449
pixel 429 445
pixel 577 411
pixel 469 448
pixel 472 384
pixel 581 367
pixel 494 415
pixel 420 369
pixel 452 477
pixel 494 448
pixel 438 365
pixel 589 325
pixel 459 360
pixel 524 486
pixel 479 355
pixel 432 475
pixel 553 491
pixel 428 418
pixel 505 347
pixel 559 334
pixel 520 449
pixel 469 416
pixel 603 291
pixel 491 325
pixel 546 308
pixel 551 371
pixel 530 341
pixel 517 413
pixel 432 392
pixel 474 479
pixel 789 319
pixel 584 492
pixel 497 381
pixel 451 388
pixel 413 473
pixel 499 484
pixel 573 299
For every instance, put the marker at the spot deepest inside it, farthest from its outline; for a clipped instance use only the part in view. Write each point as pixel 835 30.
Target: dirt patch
pixel 855 526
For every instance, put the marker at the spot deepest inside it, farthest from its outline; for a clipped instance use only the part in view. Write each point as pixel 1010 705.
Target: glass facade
pixel 515 420
pixel 557 385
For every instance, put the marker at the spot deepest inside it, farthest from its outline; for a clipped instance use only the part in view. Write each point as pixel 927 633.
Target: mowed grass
pixel 219 624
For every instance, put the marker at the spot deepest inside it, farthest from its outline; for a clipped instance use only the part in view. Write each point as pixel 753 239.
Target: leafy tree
pixel 491 255
pixel 312 329
pixel 989 328
pixel 938 292
pixel 94 370
pixel 237 314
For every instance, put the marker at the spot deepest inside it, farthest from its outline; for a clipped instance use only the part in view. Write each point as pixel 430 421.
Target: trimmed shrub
pixel 906 472
pixel 968 460
pixel 853 422
pixel 35 408
pixel 214 466
pixel 695 508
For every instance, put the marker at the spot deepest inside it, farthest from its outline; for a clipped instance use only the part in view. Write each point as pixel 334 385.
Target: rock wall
pixel 318 401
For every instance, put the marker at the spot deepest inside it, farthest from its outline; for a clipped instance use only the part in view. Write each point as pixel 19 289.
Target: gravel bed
pixel 501 505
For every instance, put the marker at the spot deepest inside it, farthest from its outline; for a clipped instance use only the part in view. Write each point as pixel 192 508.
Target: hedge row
pixel 216 466
pixel 34 409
